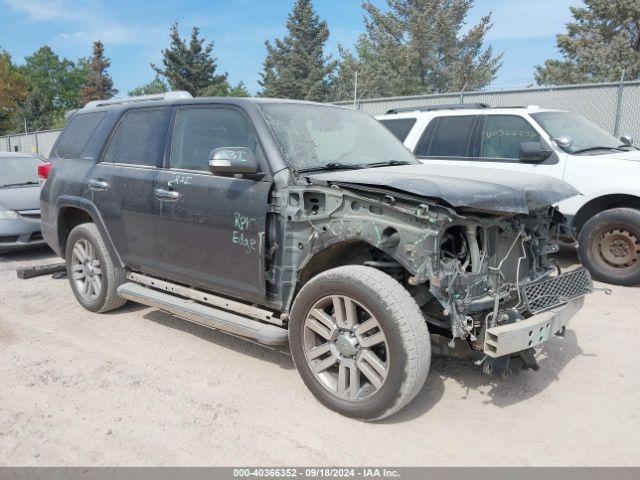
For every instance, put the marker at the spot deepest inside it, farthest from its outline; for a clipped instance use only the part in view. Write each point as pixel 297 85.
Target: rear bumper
pixel 525 334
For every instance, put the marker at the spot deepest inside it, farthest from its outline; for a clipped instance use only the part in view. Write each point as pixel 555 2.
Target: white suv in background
pixel 606 218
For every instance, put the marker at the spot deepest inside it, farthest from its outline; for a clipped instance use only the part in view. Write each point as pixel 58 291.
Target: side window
pixel 200 130
pixel 76 136
pixel 503 134
pixel 447 137
pixel 400 127
pixel 139 138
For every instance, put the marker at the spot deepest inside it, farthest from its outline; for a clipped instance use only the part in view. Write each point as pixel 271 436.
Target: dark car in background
pixel 19 201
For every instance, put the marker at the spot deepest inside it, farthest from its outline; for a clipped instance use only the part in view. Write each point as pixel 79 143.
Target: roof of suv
pixel 177 98
pixel 457 109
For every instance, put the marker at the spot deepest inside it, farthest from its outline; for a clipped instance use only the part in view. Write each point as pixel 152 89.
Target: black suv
pixel 310 224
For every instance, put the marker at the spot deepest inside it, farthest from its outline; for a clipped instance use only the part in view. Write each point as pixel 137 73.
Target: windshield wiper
pixel 331 166
pixel 389 163
pixel 20 184
pixel 589 149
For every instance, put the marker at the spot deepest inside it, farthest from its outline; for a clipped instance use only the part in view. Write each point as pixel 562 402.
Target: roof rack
pixel 429 108
pixel 141 98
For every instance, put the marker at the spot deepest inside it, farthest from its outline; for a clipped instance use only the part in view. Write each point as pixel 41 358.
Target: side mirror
pixel 229 161
pixel 627 140
pixel 563 142
pixel 534 152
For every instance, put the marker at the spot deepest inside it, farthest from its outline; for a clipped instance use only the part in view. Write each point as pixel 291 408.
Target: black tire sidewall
pixel 379 402
pixel 78 233
pixel 626 218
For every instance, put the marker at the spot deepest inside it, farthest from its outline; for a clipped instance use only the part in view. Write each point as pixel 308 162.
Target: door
pixel 121 185
pixel 447 140
pixel 210 229
pixel 498 146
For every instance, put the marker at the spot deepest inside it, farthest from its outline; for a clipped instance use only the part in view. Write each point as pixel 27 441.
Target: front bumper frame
pixel 531 332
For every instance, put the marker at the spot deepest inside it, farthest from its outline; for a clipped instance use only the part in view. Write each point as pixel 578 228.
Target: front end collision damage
pixel 465 269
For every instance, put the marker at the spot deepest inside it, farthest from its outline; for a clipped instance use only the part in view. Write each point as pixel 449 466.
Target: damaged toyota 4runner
pixel 308 224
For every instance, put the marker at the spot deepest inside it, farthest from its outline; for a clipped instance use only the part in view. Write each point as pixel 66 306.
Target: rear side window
pixel 76 136
pixel 447 137
pixel 400 127
pixel 139 138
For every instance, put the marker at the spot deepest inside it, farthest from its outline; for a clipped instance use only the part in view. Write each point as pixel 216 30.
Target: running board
pixel 205 315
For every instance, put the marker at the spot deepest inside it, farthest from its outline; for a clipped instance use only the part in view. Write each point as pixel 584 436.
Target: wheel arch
pixel 339 252
pixel 75 211
pixel 602 203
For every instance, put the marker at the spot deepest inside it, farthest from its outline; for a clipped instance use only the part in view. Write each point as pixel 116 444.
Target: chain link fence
pixel 615 107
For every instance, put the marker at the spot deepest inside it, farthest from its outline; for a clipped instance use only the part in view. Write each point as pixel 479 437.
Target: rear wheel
pixel 609 246
pixel 92 274
pixel 360 342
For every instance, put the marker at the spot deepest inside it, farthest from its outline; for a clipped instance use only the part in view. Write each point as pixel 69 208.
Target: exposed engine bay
pixel 467 270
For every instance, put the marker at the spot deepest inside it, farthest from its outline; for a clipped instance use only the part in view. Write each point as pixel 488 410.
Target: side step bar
pixel 205 315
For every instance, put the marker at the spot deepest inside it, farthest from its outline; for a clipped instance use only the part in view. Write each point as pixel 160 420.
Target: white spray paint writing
pixel 240 236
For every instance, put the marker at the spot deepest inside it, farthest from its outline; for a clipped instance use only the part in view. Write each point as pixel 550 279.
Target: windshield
pixel 323 137
pixel 584 135
pixel 16 171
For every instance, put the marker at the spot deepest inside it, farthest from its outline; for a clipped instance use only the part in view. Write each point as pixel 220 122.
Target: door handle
pixel 165 194
pixel 98 184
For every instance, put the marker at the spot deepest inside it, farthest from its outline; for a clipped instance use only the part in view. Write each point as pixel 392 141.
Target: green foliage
pixel 13 89
pixel 190 66
pixel 296 67
pixel 99 84
pixel 54 86
pixel 155 86
pixel 417 47
pixel 601 43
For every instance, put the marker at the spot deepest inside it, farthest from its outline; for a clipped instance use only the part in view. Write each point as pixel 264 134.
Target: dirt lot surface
pixel 140 387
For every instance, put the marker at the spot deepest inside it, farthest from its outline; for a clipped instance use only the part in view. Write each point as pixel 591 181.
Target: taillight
pixel 44 169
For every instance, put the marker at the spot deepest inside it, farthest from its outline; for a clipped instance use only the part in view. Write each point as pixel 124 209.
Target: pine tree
pixel 296 66
pixel 99 85
pixel 155 86
pixel 190 66
pixel 601 43
pixel 417 47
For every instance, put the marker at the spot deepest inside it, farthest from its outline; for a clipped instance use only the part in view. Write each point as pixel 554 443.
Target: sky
pixel 135 31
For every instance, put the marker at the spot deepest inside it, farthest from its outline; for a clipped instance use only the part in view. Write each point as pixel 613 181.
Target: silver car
pixel 19 201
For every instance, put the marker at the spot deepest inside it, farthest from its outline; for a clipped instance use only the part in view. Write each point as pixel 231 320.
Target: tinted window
pixel 77 134
pixel 18 171
pixel 139 138
pixel 503 134
pixel 447 137
pixel 199 131
pixel 400 127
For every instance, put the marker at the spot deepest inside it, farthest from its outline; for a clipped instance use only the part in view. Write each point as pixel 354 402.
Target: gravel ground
pixel 140 387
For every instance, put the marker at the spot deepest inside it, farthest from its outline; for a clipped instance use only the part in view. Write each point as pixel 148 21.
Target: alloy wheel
pixel 346 348
pixel 86 272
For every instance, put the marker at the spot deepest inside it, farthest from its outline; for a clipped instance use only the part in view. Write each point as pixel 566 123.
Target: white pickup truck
pixel 606 170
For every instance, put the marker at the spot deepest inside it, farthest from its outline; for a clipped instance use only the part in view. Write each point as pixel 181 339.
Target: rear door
pixel 210 229
pixel 447 140
pixel 122 184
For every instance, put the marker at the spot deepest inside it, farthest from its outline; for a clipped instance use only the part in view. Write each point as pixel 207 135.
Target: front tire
pixel 359 342
pixel 609 246
pixel 93 276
